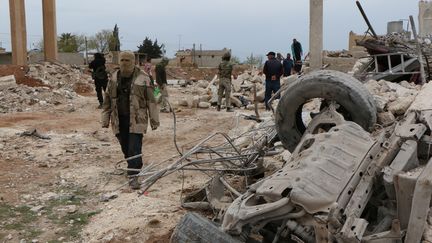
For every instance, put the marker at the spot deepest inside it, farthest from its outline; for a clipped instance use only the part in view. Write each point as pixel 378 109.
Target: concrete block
pixel 386 117
pixel 7 82
pixel 204 105
pixel 235 101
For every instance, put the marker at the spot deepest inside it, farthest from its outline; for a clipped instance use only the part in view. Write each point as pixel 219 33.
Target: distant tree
pixel 100 41
pixel 152 49
pixel 67 42
pixel 114 44
pixel 235 60
pixel 254 60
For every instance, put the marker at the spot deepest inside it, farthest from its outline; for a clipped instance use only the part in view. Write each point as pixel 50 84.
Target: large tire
pixel 193 228
pixel 347 91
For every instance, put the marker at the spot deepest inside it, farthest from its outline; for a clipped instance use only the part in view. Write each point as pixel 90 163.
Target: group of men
pixel 129 103
pixel 274 68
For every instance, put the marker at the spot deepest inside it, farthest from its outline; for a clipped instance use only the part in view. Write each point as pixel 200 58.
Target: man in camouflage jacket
pixel 130 104
pixel 225 71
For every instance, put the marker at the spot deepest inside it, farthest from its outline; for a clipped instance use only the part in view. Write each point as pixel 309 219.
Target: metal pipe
pixel 229 187
pixel 366 19
pixel 420 54
pixel 389 64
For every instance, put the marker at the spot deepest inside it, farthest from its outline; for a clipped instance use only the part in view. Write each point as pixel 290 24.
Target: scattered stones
pixel 49 196
pixel 108 196
pixel 70 209
pixel 203 105
pixel 386 118
pixel 37 209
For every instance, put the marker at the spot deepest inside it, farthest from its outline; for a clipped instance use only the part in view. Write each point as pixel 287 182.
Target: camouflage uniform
pixel 225 71
pixel 142 104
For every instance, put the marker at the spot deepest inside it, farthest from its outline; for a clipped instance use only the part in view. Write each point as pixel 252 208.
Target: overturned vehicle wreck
pixel 347 180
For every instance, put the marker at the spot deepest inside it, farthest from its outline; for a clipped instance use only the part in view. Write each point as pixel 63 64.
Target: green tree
pixel 235 60
pixel 67 42
pixel 152 49
pixel 114 43
pixel 100 41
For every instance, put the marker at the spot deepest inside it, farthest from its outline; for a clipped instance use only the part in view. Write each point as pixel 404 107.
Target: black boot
pixel 134 183
pixel 229 109
pixel 218 108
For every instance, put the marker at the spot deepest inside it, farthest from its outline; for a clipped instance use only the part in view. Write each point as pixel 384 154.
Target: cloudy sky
pixel 245 26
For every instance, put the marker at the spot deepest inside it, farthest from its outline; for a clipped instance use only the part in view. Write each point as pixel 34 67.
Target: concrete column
pixel 49 29
pixel 316 34
pixel 18 32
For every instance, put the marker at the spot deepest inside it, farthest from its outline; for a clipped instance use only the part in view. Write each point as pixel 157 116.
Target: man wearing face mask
pixel 129 104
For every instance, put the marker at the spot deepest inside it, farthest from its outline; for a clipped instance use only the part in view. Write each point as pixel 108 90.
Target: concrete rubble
pixel 242 93
pixel 7 82
pixel 60 85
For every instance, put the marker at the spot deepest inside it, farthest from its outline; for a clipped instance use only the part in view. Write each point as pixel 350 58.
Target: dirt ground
pixel 59 182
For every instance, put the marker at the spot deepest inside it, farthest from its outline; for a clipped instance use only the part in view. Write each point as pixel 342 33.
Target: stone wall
pixel 66 58
pixel 425 18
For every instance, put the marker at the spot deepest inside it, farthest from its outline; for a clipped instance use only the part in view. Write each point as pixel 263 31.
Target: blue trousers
pixel 131 144
pixel 272 86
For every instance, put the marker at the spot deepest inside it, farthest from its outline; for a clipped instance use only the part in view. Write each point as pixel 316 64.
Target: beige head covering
pixel 127 63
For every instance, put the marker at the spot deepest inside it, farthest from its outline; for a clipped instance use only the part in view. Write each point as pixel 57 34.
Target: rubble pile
pixel 343 53
pixel 58 75
pixel 60 85
pixel 205 93
pixel 391 99
pixel 23 98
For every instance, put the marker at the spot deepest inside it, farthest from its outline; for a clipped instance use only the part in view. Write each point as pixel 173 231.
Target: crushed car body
pixel 346 181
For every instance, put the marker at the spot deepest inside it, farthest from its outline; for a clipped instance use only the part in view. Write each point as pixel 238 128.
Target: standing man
pixel 279 57
pixel 297 52
pixel 161 80
pixel 225 71
pixel 287 65
pixel 129 104
pixel 99 76
pixel 147 66
pixel 273 70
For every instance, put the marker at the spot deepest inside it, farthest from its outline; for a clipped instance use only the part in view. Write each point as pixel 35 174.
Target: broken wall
pixel 425 18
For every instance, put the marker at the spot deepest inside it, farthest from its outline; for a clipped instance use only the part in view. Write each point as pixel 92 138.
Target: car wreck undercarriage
pixel 347 180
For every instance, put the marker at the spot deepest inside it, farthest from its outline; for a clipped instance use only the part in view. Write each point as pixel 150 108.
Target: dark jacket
pixel 273 69
pixel 161 77
pixel 287 66
pixel 99 70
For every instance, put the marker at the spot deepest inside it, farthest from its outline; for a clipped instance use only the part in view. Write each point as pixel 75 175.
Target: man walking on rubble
pixel 273 70
pixel 225 71
pixel 297 52
pixel 161 80
pixel 129 104
pixel 99 75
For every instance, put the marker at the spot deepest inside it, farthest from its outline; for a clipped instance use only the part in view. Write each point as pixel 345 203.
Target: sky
pixel 244 26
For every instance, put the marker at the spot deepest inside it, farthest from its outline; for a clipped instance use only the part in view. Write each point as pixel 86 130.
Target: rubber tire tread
pixel 328 84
